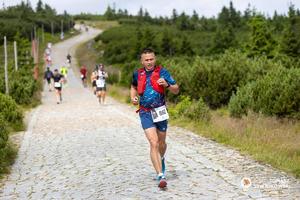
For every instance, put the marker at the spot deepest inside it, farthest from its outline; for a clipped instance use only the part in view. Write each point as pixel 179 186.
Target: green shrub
pixel 194 110
pixel 7 152
pixel 199 111
pixel 181 108
pixel 22 86
pixel 9 109
pixel 277 93
pixel 241 101
pixel 3 132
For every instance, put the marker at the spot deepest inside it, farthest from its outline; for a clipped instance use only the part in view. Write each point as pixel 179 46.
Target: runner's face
pixel 148 60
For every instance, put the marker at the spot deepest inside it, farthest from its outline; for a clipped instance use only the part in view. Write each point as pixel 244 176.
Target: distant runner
pixel 64 72
pixel 58 81
pixel 48 75
pixel 150 83
pixel 101 84
pixel 94 77
pixel 69 58
pixel 83 75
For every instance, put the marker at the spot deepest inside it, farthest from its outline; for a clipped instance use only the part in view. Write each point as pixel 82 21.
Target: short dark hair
pixel 147 50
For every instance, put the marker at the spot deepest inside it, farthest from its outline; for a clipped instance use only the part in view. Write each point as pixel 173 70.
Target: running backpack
pixel 142 78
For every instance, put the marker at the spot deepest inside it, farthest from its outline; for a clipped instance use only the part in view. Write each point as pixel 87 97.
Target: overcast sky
pixel 207 8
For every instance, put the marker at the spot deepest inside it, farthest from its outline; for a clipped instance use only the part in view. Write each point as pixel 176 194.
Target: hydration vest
pixel 142 79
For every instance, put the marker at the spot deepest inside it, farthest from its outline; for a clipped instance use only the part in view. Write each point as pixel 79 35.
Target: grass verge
pixel 268 140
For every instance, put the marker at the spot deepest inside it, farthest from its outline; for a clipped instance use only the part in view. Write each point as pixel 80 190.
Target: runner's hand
pixel 135 101
pixel 162 82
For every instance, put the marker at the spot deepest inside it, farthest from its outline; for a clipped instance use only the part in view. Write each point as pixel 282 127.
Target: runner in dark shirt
pixel 58 80
pixel 48 75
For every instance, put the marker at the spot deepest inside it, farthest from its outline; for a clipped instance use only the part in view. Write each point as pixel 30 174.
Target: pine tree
pixel 39 7
pixel 290 44
pixel 261 42
pixel 224 39
pixel 109 14
pixel 167 48
pixel 174 16
pixel 186 47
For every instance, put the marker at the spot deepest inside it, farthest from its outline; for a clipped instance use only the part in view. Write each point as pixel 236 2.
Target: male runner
pixel 58 80
pixel 150 83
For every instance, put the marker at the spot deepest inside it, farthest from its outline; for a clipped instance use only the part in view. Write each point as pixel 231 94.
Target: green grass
pixel 267 140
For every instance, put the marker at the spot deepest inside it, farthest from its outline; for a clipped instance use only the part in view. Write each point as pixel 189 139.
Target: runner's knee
pixel 154 144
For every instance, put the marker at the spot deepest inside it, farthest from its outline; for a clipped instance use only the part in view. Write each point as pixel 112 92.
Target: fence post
pixel 52 29
pixel 16 55
pixel 120 76
pixel 5 67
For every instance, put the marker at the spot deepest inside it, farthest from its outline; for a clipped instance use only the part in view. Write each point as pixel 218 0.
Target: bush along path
pixel 82 150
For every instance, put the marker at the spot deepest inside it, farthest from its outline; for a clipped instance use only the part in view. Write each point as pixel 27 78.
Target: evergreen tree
pixel 186 47
pixel 174 16
pixel 235 16
pixel 183 22
pixel 261 42
pixel 39 7
pixel 223 39
pixel 149 38
pixel 109 14
pixel 167 47
pixel 290 44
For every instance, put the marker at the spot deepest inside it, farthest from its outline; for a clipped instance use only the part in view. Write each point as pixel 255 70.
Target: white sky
pixel 207 8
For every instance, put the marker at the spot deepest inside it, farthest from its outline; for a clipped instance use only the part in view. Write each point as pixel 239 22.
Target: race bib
pixel 57 84
pixel 81 76
pixel 100 83
pixel 159 114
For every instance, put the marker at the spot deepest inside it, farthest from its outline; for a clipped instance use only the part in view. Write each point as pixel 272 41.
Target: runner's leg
pixel 152 137
pixel 57 95
pixel 103 96
pixel 162 142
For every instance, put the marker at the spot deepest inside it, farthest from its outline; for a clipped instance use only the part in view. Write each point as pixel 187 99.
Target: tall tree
pixel 39 6
pixel 109 14
pixel 174 16
pixel 167 47
pixel 262 41
pixel 290 44
pixel 223 39
pixel 186 47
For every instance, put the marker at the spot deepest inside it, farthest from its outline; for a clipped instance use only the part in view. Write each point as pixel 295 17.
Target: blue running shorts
pixel 147 122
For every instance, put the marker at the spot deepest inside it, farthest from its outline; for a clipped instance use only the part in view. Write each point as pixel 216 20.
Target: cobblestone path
pixel 82 150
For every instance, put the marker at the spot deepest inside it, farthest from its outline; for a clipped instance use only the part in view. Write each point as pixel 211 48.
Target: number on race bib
pixel 57 84
pixel 100 83
pixel 159 114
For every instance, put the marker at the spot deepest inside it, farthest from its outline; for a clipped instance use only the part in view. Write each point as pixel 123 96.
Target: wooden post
pixel 120 76
pixel 43 36
pixel 16 55
pixel 5 67
pixel 34 35
pixel 52 29
pixel 62 26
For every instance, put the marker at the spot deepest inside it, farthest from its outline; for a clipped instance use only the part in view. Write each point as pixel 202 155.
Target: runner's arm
pixel 173 88
pixel 133 95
